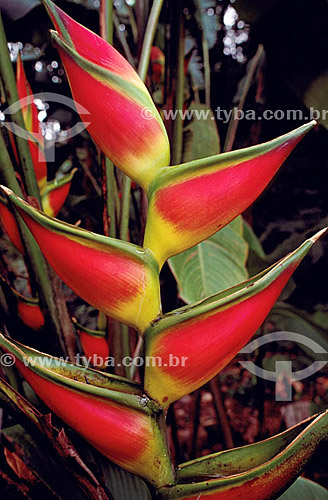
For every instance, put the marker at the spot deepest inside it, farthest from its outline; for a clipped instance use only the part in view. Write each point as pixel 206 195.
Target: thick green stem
pixel 121 37
pixel 110 196
pixel 9 83
pixel 149 38
pixel 177 138
pixel 125 347
pixel 106 31
pixel 234 121
pixel 106 20
pixel 57 317
pixel 125 209
pixel 142 70
pixel 207 72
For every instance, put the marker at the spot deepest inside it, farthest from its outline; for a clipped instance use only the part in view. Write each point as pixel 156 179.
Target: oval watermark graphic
pixel 284 368
pixel 38 136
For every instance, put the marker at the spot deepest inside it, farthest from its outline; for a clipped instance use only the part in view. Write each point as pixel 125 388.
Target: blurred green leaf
pixel 122 484
pixel 303 489
pixel 213 265
pixel 253 241
pixel 288 318
pixel 201 138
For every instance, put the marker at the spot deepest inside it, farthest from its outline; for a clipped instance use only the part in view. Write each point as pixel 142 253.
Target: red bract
pixel 94 344
pixel 109 412
pixel 114 276
pixel 194 343
pixel 123 119
pixel 55 194
pixel 190 202
pixel 10 227
pixel 30 115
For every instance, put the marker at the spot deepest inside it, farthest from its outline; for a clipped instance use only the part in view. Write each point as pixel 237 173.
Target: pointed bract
pixel 10 226
pixel 267 480
pixel 195 342
pixel 108 411
pixel 124 121
pixel 32 124
pixel 94 344
pixel 238 460
pixel 30 312
pixel 190 202
pixel 114 276
pixel 55 194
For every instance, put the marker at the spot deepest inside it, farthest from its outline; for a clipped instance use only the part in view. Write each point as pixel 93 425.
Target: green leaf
pixel 303 489
pixel 201 137
pixel 253 241
pixel 288 318
pixel 122 484
pixel 257 260
pixel 211 266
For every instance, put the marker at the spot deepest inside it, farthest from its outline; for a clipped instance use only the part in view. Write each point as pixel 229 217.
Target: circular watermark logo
pixel 148 113
pixel 38 136
pixel 284 368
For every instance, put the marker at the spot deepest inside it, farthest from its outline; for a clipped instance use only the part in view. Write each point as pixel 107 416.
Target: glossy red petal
pixel 31 315
pixel 190 202
pixel 115 277
pixel 194 344
pixel 9 225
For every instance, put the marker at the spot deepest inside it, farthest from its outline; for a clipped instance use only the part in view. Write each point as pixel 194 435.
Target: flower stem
pixel 142 70
pixel 9 83
pixel 149 38
pixel 177 138
pixel 106 31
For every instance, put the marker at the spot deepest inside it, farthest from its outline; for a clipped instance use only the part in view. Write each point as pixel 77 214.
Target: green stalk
pixel 110 196
pixel 149 38
pixel 122 38
pixel 125 211
pixel 9 83
pixel 234 122
pixel 125 338
pixel 57 316
pixel 177 137
pixel 106 31
pixel 142 70
pixel 207 72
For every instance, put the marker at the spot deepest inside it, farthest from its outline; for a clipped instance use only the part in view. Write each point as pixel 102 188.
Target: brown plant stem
pixel 221 413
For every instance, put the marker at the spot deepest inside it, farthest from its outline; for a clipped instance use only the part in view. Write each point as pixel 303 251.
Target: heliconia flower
pixel 260 471
pixel 157 65
pixel 55 194
pixel 110 412
pixel 190 202
pixel 53 197
pixel 32 124
pixel 29 311
pixel 114 276
pixel 94 344
pixel 10 226
pixel 124 121
pixel 196 342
